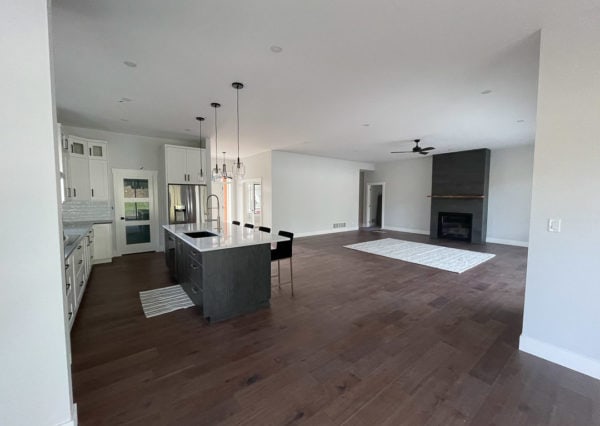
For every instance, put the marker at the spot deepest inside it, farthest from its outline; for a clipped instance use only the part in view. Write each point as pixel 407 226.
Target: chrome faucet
pixel 218 211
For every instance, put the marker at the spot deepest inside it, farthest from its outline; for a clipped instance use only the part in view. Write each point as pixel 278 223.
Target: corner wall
pixel 511 174
pixel 35 383
pixel 312 193
pixel 562 316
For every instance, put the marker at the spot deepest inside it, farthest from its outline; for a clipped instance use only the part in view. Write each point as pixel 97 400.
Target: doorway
pixel 375 204
pixel 136 216
pixel 250 200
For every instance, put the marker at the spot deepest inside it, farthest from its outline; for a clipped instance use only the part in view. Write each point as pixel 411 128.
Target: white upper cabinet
pixel 87 148
pixel 86 169
pixel 193 165
pixel 98 180
pixel 79 177
pixel 176 164
pixel 184 165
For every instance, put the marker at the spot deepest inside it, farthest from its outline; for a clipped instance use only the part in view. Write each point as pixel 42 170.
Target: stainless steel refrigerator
pixel 187 204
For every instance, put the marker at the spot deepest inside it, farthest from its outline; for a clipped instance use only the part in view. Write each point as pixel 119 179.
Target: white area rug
pixel 163 300
pixel 448 259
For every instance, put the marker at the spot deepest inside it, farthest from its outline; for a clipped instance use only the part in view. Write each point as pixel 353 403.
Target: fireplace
pixel 455 226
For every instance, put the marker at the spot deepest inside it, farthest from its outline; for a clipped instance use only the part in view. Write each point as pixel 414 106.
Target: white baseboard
pixel 327 231
pixel 73 421
pixel 507 242
pixel 560 356
pixel 407 230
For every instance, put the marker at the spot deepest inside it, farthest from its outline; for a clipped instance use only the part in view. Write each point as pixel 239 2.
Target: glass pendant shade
pixel 239 169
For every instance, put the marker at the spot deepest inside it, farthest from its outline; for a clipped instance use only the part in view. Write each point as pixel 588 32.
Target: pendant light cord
pixel 216 144
pixel 237 91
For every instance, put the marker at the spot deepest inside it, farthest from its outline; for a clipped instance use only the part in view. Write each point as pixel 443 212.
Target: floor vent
pixel 339 225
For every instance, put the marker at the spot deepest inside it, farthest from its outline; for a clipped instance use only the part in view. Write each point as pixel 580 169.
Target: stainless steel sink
pixel 200 234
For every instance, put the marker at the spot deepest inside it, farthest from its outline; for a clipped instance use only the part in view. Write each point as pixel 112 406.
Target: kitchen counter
pixel 231 236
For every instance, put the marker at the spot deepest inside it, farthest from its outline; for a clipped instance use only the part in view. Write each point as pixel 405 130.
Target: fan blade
pixel 429 148
pixel 423 153
pixel 401 152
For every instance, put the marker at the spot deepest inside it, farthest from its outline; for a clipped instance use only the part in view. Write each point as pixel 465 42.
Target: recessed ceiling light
pixel 486 92
pixel 124 119
pixel 125 100
pixel 130 64
pixel 520 121
pixel 188 130
pixel 366 124
pixel 276 49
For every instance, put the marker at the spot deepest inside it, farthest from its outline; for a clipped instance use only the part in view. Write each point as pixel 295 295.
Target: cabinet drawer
pixel 79 285
pixel 196 256
pixel 195 272
pixel 77 256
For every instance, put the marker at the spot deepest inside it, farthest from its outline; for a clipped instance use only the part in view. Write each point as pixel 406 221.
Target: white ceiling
pixel 408 68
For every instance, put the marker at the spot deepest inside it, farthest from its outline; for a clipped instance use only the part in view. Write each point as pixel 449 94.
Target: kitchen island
pixel 227 273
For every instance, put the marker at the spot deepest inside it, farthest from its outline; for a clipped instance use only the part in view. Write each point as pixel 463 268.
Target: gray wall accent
pixel 461 173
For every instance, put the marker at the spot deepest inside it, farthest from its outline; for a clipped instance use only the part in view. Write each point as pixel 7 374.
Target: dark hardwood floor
pixel 366 340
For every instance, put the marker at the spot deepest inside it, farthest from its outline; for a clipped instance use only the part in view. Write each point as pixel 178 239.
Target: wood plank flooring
pixel 366 340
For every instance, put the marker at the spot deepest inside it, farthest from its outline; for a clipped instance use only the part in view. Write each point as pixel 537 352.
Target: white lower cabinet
pixel 103 244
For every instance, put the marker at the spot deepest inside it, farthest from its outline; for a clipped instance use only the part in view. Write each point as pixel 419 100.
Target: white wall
pixel 127 151
pixel 258 166
pixel 35 386
pixel 562 295
pixel 312 193
pixel 407 184
pixel 511 173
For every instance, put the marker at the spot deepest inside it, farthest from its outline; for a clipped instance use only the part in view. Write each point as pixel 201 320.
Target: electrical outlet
pixel 554 225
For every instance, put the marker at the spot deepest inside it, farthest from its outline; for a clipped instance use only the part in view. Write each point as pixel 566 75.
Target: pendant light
pixel 224 174
pixel 239 170
pixel 216 172
pixel 200 120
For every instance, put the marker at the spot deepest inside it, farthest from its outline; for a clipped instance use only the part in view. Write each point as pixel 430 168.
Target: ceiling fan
pixel 416 149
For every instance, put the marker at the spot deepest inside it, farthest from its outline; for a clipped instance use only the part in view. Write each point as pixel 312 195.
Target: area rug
pixel 448 259
pixel 164 300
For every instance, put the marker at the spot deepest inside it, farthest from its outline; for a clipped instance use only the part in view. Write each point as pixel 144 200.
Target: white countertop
pixel 231 236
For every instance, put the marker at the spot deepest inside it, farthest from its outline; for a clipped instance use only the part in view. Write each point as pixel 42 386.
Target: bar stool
pixel 283 251
pixel 264 229
pixel 235 222
pixel 248 225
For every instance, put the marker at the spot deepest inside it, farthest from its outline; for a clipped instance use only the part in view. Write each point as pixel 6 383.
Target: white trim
pixel 327 231
pixel 507 242
pixel 73 421
pixel 560 356
pixel 368 199
pixel 407 230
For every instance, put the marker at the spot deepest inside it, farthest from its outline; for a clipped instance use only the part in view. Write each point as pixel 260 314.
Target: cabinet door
pixel 80 178
pixel 176 165
pixel 97 150
pixel 77 147
pixel 99 180
pixel 103 243
pixel 193 166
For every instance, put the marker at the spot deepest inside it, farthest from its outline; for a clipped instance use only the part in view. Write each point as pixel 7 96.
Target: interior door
pixel 135 211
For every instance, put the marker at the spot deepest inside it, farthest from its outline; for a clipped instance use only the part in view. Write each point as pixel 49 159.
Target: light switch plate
pixel 554 225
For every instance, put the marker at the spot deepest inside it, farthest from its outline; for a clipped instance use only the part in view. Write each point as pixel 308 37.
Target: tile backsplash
pixel 79 211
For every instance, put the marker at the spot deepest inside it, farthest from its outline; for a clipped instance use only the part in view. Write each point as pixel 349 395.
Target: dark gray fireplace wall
pixel 461 173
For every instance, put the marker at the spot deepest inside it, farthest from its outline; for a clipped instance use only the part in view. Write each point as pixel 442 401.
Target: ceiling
pixel 354 78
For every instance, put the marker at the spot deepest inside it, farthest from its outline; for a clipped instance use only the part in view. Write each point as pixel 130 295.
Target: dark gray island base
pixel 226 281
